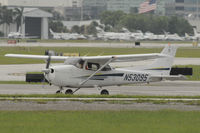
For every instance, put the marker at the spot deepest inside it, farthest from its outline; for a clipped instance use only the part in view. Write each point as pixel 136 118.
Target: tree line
pixel 146 22
pixel 57 26
pixel 114 21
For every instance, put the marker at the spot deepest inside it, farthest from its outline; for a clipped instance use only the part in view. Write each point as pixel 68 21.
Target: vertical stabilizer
pixel 51 31
pixel 162 66
pixel 195 32
pixel 186 35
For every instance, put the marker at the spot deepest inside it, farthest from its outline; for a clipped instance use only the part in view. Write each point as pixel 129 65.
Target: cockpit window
pixel 92 66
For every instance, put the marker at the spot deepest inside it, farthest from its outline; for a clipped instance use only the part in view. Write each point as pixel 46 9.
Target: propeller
pixel 48 62
pixel 47 70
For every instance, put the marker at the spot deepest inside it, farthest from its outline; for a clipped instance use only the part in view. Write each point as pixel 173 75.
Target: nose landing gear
pixel 60 90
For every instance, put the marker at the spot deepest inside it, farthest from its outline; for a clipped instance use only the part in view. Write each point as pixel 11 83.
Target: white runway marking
pixel 102 99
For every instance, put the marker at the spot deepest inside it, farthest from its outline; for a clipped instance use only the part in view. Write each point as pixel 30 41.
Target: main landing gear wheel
pixel 104 92
pixel 69 92
pixel 58 92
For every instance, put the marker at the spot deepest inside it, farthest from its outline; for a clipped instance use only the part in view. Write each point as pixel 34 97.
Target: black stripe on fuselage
pixel 160 69
pixel 104 76
pixel 111 75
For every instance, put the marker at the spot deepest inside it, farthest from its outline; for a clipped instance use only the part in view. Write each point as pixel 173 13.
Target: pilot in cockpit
pixel 80 64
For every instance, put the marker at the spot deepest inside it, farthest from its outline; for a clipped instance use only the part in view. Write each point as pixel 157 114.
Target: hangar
pixel 36 23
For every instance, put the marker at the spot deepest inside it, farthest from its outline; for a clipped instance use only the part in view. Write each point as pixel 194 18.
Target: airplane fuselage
pixel 71 76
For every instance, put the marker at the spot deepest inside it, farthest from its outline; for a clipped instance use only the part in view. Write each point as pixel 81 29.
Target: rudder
pixel 163 65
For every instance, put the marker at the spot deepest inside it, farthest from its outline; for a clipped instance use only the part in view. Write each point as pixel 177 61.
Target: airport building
pixel 131 6
pixel 88 9
pixel 127 6
pixel 189 9
pixel 122 5
pixel 93 8
pixel 35 24
pixel 183 8
pixel 40 3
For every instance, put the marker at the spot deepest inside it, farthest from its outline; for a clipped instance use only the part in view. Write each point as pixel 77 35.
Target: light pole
pixel 81 10
pixel 197 17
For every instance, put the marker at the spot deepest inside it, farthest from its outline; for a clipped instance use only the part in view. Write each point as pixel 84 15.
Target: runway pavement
pixel 167 88
pixel 117 45
pixel 155 89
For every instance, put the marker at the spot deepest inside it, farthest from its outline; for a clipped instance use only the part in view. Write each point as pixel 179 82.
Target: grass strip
pixel 164 121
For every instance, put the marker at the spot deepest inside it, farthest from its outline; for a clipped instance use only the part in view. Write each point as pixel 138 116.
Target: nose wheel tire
pixel 69 92
pixel 104 92
pixel 60 90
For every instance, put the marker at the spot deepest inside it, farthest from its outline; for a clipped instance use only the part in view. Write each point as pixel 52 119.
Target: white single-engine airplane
pixel 95 71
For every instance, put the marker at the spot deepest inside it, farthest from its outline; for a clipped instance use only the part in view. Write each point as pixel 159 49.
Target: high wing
pixel 96 59
pixel 123 58
pixel 41 57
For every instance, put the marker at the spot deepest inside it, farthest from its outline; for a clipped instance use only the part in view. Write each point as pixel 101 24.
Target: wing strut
pixel 85 81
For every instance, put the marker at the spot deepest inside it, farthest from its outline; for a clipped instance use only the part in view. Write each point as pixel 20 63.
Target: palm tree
pixel 6 17
pixel 18 14
pixel 1 34
pixel 1 14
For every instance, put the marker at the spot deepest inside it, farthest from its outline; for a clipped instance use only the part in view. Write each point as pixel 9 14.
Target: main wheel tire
pixel 69 92
pixel 104 92
pixel 58 92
